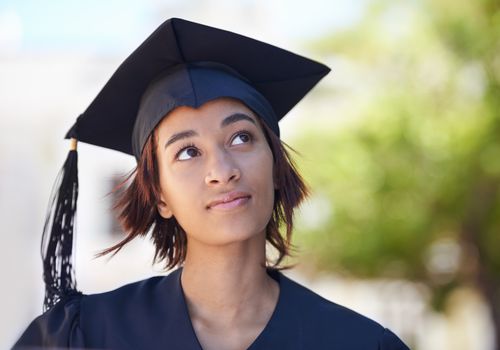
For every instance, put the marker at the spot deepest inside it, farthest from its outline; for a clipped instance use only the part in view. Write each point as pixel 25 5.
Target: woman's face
pixel 217 153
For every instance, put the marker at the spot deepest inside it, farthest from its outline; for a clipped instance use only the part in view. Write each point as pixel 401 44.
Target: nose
pixel 222 169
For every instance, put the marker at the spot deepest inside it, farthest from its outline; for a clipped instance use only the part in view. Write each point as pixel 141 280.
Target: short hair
pixel 137 211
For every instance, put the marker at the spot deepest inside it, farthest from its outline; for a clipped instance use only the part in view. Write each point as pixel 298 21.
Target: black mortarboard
pixel 181 63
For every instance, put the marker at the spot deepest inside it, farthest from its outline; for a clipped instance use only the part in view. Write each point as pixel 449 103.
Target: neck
pixel 229 282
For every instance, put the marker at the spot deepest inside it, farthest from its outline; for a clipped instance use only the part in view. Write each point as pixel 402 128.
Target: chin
pixel 221 237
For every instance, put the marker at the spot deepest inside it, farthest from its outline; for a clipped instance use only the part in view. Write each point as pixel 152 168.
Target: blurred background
pixel 400 145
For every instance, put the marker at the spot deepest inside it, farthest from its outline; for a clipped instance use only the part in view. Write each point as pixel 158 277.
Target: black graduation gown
pixel 152 314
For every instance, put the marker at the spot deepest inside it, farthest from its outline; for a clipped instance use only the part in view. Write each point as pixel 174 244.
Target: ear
pixel 164 209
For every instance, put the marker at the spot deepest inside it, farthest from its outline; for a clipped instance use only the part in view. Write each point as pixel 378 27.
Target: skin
pixel 230 296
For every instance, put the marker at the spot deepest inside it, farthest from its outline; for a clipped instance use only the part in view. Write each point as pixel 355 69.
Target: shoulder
pixel 57 327
pixel 313 306
pixel 143 293
pixel 81 319
pixel 336 324
pixel 119 297
pixel 123 307
pixel 131 311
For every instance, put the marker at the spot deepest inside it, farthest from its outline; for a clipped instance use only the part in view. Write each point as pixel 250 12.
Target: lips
pixel 229 200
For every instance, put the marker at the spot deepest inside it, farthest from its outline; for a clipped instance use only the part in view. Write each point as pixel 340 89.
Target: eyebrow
pixel 233 118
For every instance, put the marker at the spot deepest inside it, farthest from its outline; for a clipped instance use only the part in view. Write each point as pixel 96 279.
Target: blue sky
pixel 109 25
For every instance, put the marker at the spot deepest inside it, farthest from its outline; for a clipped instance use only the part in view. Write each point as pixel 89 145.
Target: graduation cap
pixel 181 63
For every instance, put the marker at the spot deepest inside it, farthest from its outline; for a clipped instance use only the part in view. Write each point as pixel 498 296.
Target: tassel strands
pixel 58 232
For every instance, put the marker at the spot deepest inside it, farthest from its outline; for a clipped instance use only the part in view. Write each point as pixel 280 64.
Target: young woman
pixel 199 108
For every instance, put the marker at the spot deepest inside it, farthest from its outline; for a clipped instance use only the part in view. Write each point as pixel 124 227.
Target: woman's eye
pixel 242 137
pixel 190 151
pixel 187 153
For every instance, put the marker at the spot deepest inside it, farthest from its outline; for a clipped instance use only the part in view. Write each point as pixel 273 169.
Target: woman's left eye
pixel 241 137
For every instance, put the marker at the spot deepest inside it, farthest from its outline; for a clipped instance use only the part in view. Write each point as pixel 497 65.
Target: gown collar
pixel 275 334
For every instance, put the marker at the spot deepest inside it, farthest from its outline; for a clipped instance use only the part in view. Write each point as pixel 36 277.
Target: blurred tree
pixel 408 184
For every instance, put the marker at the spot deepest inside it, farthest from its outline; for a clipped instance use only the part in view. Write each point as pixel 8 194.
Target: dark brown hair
pixel 137 206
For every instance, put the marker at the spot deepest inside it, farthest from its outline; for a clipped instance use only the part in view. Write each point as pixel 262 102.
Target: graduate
pixel 198 107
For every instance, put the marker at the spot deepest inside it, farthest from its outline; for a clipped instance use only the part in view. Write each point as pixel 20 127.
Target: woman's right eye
pixel 187 153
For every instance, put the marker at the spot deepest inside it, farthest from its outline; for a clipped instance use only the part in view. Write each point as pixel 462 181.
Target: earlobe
pixel 164 210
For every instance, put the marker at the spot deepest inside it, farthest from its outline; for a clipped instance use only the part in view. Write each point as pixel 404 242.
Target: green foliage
pixel 409 184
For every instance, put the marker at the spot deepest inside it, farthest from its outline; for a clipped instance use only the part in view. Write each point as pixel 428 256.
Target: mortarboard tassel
pixel 57 238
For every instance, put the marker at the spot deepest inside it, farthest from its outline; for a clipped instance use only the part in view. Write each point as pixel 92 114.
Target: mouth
pixel 230 201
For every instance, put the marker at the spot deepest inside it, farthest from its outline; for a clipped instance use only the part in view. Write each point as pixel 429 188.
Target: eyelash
pixel 236 134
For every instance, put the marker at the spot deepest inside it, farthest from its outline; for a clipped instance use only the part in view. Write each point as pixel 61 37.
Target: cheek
pixel 179 190
pixel 264 165
pixel 259 171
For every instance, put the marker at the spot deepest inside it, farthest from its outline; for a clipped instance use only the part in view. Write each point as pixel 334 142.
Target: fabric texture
pixel 153 314
pixel 193 85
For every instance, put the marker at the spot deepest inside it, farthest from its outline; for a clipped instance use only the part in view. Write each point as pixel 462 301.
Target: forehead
pixel 211 112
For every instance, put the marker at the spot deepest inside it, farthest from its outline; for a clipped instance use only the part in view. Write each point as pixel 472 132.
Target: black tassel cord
pixel 58 233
